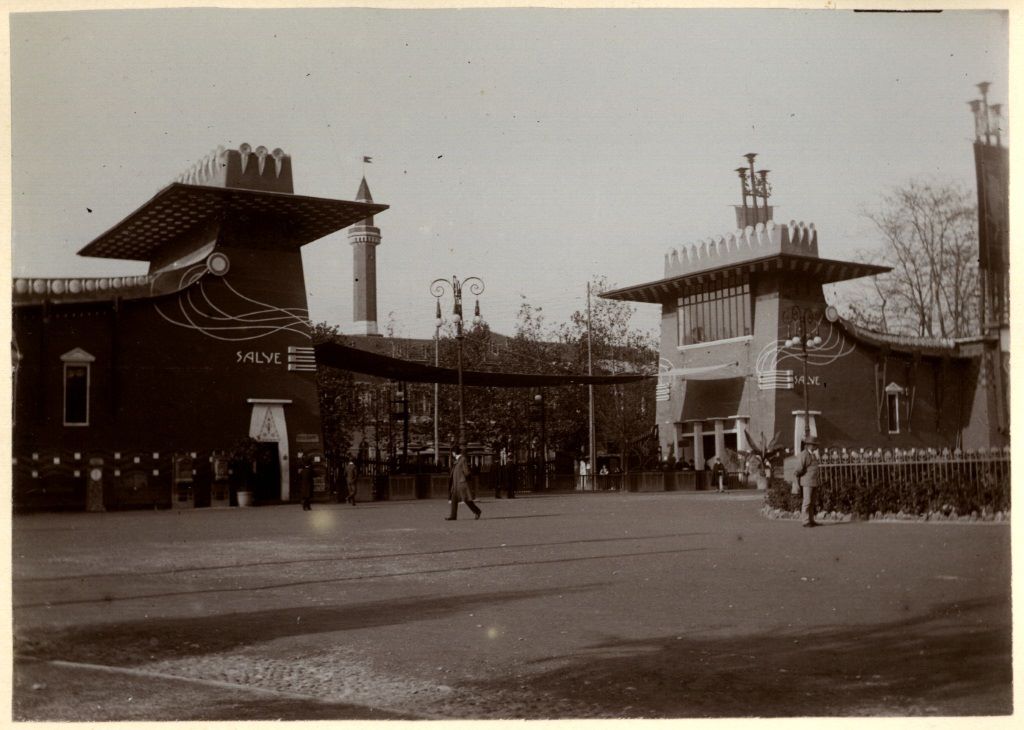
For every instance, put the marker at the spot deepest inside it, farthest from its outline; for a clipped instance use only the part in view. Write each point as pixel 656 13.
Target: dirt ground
pixel 670 605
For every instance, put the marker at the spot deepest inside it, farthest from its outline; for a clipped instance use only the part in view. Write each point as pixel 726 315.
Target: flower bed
pixel 948 500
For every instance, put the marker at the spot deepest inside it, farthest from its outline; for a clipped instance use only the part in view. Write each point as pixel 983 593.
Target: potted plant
pixel 242 459
pixel 761 457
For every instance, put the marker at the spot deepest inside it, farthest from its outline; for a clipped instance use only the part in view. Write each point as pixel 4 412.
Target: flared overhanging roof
pixel 340 356
pixel 825 271
pixel 910 344
pixel 180 209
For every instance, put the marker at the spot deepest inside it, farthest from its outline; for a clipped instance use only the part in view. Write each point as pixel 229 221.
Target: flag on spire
pixel 367 159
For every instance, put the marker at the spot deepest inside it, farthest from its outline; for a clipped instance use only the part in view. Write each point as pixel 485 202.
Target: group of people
pixel 586 474
pixel 805 481
pixel 306 483
pixel 458 485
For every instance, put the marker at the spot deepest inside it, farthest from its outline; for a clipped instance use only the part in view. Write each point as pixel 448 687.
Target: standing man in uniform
pixel 350 481
pixel 807 477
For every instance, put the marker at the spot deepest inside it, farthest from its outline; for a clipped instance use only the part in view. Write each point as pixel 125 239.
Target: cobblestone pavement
pixel 554 606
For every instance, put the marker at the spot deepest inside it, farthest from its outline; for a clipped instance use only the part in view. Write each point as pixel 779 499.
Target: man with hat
pixel 807 477
pixel 458 482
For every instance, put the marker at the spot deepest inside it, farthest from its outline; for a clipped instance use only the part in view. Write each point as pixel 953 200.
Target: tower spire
pixel 364 239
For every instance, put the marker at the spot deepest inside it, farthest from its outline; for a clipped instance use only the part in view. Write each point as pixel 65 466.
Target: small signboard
pixel 182 468
pixel 220 468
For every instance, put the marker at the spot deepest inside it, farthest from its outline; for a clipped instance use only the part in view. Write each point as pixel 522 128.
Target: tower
pixel 364 237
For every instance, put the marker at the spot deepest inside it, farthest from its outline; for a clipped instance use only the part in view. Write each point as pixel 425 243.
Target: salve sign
pixel 256 357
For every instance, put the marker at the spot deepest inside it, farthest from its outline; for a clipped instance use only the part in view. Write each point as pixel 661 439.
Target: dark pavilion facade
pixel 125 385
pixel 749 345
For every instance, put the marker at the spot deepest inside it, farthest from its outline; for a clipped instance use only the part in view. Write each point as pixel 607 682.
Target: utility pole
pixel 590 388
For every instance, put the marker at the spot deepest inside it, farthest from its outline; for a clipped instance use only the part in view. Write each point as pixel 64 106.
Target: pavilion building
pixel 749 345
pixel 122 380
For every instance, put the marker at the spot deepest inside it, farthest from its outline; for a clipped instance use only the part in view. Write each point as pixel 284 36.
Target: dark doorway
pixel 709 449
pixel 268 473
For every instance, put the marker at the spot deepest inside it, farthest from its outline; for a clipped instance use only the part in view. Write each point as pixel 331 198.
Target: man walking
pixel 459 483
pixel 807 477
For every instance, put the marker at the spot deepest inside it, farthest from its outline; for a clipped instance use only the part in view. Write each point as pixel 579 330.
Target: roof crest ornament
pixel 261 156
pixel 244 150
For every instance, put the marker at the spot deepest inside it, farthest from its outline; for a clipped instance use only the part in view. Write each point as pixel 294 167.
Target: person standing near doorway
pixel 584 473
pixel 459 484
pixel 306 485
pixel 499 473
pixel 718 474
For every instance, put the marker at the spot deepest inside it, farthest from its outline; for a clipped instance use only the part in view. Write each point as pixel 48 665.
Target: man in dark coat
pixel 459 483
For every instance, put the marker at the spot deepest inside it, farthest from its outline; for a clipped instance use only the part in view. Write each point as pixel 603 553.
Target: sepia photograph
pixel 699 315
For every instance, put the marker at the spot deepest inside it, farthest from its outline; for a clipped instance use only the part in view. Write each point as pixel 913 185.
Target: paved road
pixel 563 606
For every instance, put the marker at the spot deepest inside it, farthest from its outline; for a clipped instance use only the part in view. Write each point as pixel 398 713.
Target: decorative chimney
pixel 753 185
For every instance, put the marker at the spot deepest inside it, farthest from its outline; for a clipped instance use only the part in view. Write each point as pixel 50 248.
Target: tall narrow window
pixel 77 364
pixel 892 403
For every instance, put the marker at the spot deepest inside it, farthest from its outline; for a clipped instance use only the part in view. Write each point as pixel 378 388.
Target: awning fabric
pixel 333 354
pixel 709 399
pixel 705 372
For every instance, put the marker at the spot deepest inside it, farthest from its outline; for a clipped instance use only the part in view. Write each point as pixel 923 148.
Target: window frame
pixel 893 393
pixel 76 359
pixel 713 313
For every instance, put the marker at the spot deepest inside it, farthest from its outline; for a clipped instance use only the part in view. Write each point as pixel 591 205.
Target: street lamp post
pixel 803 333
pixel 476 287
pixel 539 400
pixel 402 402
pixel 437 362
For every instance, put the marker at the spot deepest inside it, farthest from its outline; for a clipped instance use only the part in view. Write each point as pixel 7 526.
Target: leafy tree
pixel 352 406
pixel 929 238
pixel 624 414
pixel 345 411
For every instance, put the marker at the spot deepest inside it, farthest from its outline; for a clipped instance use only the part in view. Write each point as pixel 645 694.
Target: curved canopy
pixel 343 357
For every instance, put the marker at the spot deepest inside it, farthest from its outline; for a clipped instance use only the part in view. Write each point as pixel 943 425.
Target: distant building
pixel 731 307
pixel 121 380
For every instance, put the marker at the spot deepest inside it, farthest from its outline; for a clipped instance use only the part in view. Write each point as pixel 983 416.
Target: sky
pixel 533 148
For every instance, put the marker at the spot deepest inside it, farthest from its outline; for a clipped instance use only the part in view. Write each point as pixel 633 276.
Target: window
pixel 77 364
pixel 892 403
pixel 717 311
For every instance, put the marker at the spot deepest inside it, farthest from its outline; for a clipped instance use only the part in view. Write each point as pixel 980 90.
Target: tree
pixel 624 413
pixel 929 234
pixel 342 411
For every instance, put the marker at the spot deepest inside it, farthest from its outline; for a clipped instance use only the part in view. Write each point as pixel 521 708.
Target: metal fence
pixel 916 480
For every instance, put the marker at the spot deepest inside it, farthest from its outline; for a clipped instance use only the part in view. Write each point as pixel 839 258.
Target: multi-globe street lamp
pixel 438 287
pixel 803 333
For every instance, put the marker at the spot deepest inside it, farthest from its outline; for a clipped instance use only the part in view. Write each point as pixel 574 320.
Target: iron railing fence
pixel 915 480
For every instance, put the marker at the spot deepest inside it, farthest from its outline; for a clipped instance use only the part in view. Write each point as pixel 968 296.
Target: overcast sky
pixel 532 148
